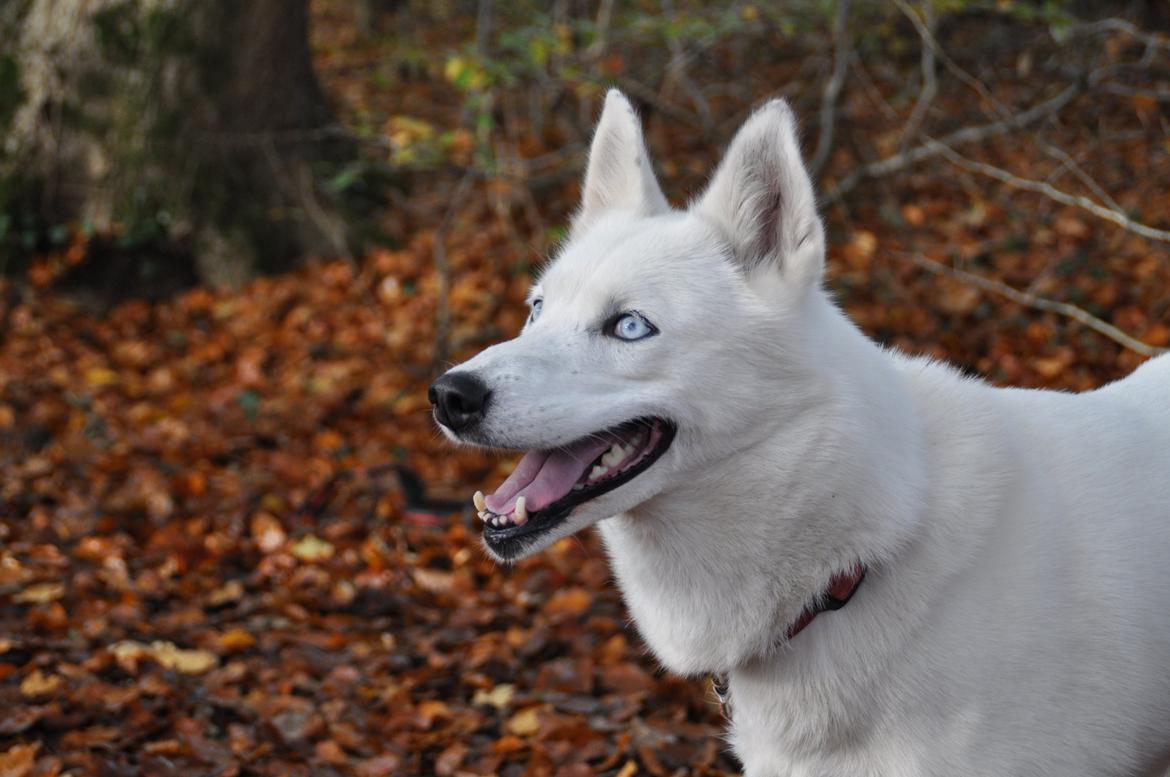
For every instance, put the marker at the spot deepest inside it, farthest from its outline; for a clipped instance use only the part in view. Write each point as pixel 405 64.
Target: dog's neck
pixel 716 570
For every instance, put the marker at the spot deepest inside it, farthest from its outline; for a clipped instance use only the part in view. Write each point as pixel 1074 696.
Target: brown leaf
pixel 525 723
pixel 499 697
pixel 572 601
pixel 18 760
pixel 311 548
pixel 626 678
pixel 383 765
pixel 39 685
pixel 40 593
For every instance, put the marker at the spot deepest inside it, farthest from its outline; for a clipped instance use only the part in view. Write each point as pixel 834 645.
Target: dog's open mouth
pixel 547 484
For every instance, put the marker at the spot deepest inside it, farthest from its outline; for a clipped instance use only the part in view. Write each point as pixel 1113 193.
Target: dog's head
pixel 659 340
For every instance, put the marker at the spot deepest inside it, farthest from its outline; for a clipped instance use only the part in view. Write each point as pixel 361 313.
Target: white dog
pixel 685 381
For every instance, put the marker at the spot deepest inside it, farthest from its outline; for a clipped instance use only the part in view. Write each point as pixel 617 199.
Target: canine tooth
pixel 520 514
pixel 613 455
pixel 597 471
pixel 484 515
pixel 479 502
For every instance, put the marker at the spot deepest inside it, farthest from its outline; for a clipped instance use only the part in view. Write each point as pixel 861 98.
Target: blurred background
pixel 238 239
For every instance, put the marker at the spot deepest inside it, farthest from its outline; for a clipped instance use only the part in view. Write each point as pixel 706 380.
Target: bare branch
pixel 1048 190
pixel 933 148
pixel 929 71
pixel 1069 163
pixel 649 96
pixel 443 271
pixel 1157 95
pixel 841 48
pixel 678 69
pixel 604 14
pixel 926 32
pixel 1151 40
pixel 1037 303
pixel 869 87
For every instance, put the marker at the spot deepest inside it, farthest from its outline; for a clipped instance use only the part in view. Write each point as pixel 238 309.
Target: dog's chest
pixel 776 752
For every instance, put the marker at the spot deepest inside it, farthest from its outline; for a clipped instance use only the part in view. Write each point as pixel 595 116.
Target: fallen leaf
pixel 38 685
pixel 525 723
pixel 328 751
pixel 41 593
pixel 166 654
pixel 498 697
pixel 18 760
pixel 311 548
pixel 235 641
pixel 573 601
pixel 629 769
pixel 379 766
pixel 957 297
pixel 229 592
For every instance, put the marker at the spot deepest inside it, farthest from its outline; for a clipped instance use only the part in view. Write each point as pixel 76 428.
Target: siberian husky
pixel 752 460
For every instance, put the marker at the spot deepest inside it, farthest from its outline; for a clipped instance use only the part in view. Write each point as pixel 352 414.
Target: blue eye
pixel 631 326
pixel 537 304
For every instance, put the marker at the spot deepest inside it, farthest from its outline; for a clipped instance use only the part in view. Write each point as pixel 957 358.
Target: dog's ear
pixel 762 200
pixel 619 175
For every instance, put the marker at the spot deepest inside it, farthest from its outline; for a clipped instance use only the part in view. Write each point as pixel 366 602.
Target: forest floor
pixel 210 562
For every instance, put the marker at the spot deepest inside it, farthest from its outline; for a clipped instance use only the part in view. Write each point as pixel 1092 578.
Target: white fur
pixel 1014 620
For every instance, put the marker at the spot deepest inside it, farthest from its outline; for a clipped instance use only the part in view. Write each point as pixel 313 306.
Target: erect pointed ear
pixel 619 175
pixel 762 200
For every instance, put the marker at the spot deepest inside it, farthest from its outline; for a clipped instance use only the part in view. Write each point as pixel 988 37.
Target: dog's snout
pixel 459 399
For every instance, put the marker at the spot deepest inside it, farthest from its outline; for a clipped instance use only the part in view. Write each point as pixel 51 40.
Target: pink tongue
pixel 543 477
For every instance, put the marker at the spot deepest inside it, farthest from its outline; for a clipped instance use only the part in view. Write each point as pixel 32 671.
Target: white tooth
pixel 614 456
pixel 479 502
pixel 578 486
pixel 520 514
pixel 483 515
pixel 628 450
pixel 597 472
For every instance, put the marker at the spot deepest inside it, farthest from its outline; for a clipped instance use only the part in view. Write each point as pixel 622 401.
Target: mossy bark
pixel 195 122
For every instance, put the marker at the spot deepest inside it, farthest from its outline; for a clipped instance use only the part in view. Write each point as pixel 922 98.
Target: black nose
pixel 459 399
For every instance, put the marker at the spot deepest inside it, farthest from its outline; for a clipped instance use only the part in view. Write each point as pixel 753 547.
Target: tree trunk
pixel 198 123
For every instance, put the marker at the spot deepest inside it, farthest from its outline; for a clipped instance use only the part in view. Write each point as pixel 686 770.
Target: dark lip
pixel 507 543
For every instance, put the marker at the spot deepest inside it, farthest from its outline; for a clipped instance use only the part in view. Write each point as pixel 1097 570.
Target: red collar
pixel 841 588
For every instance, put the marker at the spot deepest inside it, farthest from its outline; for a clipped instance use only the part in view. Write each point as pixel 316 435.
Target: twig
pixel 604 14
pixel 1037 303
pixel 650 97
pixel 841 48
pixel 868 86
pixel 929 149
pixel 1114 24
pixel 926 33
pixel 1157 95
pixel 483 27
pixel 1069 163
pixel 678 69
pixel 929 73
pixel 443 271
pixel 1050 191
